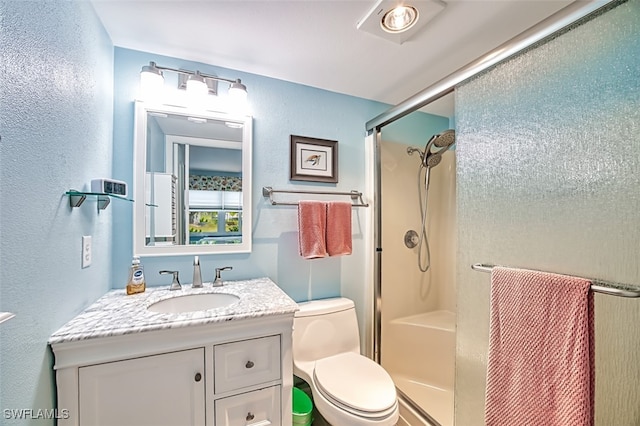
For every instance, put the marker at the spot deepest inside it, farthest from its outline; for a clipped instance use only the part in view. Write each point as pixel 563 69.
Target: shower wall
pixel 548 150
pixel 405 290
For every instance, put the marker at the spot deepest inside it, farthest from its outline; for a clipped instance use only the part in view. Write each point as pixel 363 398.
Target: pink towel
pixel 312 223
pixel 541 350
pixel 339 228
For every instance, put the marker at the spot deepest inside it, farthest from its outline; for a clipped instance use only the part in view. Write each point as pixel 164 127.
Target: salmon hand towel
pixel 312 224
pixel 339 228
pixel 540 368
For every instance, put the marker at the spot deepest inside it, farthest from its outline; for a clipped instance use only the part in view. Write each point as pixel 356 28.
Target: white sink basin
pixel 193 302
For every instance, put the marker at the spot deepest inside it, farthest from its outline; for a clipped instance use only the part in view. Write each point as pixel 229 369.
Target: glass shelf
pixel 76 198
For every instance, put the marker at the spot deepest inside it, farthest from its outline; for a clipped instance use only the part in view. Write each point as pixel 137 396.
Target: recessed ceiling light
pixel 399 19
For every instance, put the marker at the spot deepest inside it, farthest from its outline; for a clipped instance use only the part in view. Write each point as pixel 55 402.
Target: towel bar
pixel 268 192
pixel 598 286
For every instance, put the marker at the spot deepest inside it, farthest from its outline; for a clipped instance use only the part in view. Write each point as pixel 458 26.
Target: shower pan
pixel 417 340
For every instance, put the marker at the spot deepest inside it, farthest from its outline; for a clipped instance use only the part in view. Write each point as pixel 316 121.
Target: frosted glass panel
pixel 549 178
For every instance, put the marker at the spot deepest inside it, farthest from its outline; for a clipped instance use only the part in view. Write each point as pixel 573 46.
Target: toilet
pixel 347 388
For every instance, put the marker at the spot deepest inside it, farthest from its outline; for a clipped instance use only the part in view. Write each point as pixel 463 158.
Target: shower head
pixel 446 138
pixel 441 141
pixel 432 159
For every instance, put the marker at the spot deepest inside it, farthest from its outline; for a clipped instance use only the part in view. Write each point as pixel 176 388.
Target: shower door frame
pixel 377 266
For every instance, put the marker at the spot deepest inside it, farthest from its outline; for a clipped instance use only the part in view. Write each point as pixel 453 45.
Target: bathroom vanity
pixel 121 363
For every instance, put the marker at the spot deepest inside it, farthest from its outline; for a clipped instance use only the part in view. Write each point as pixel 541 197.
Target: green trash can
pixel 302 408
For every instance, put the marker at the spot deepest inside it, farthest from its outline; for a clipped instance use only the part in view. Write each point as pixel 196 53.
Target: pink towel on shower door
pixel 339 228
pixel 312 223
pixel 540 369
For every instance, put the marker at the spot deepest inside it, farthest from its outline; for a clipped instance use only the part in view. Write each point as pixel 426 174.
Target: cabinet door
pixel 158 390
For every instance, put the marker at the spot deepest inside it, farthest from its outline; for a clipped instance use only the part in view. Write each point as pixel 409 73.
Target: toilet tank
pixel 326 327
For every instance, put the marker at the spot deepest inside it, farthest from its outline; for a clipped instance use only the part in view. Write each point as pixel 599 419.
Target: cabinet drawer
pixel 257 408
pixel 246 363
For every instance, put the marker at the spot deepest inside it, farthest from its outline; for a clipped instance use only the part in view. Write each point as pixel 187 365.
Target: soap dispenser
pixel 136 282
pixel 197 274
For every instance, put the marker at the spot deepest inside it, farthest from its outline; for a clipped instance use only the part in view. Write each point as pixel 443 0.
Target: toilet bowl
pixel 347 388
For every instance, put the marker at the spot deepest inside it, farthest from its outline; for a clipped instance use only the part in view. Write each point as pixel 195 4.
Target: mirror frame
pixel 139 169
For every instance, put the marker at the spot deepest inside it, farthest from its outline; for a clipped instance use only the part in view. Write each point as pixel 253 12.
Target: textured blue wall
pixel 548 178
pixel 56 111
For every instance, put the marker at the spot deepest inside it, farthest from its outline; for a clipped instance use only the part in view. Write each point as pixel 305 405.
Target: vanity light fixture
pixel 151 77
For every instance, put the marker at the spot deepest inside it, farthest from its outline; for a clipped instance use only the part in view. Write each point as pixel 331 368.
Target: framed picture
pixel 314 160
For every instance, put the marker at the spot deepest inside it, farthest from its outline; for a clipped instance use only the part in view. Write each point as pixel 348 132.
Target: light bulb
pixel 238 91
pixel 399 19
pixel 151 81
pixel 196 85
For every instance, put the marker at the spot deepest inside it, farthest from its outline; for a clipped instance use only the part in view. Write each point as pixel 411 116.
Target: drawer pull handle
pixel 198 377
pixel 249 364
pixel 250 416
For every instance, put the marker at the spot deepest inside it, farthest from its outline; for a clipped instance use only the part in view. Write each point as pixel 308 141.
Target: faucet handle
pixel 175 285
pixel 218 281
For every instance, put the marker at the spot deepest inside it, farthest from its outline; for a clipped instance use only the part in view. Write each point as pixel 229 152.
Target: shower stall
pixel 413 327
pixel 418 263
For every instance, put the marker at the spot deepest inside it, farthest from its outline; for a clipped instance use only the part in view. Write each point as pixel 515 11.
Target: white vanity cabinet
pixel 158 390
pixel 223 374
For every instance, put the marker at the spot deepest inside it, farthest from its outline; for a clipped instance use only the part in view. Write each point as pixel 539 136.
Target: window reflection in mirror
pixel 194 169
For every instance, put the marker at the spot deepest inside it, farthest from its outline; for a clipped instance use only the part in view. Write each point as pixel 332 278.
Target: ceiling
pixel 316 42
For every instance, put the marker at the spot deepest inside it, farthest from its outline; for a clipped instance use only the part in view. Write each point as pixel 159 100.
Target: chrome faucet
pixel 218 281
pixel 197 275
pixel 175 285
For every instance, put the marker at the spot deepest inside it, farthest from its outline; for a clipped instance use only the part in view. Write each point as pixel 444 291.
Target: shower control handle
pixel 411 239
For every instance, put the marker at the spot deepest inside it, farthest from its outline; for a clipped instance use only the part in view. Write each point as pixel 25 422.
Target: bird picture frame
pixel 313 159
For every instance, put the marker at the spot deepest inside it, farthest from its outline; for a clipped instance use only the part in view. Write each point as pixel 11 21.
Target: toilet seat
pixel 336 378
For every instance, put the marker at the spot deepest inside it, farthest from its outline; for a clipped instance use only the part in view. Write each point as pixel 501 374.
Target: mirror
pixel 192 181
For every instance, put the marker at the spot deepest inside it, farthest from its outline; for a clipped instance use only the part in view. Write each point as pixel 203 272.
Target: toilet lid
pixel 356 382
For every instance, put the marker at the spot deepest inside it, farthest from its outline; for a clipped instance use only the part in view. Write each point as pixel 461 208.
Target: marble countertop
pixel 116 313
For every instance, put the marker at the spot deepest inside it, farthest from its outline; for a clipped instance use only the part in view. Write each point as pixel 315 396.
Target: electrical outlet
pixel 86 251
